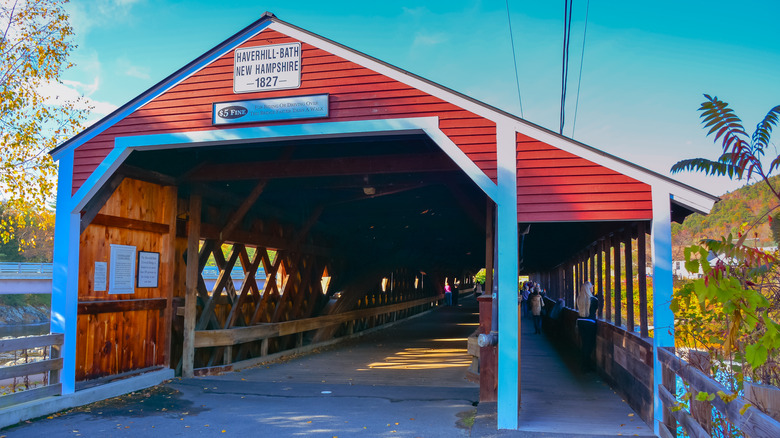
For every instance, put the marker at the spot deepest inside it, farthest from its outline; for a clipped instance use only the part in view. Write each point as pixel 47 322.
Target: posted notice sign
pixel 265 68
pixel 272 109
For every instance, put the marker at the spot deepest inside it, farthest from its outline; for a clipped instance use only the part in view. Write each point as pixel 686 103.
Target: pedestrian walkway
pixel 559 400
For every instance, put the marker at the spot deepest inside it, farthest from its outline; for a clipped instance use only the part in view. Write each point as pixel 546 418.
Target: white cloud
pixel 84 15
pixel 425 39
pixel 129 69
pixel 57 93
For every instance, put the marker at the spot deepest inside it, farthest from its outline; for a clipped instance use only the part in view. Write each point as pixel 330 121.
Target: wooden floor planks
pixel 558 398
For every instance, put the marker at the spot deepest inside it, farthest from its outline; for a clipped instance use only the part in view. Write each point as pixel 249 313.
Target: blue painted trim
pixel 160 88
pixel 663 317
pixel 65 274
pixel 428 125
pixel 506 237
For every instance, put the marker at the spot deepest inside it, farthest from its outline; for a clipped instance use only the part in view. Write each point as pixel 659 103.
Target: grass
pixel 21 300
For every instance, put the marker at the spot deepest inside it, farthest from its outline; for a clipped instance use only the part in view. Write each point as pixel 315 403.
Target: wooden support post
pixel 629 280
pixel 618 305
pixel 55 352
pixel 191 281
pixel 701 410
pixel 489 248
pixel 591 263
pixel 227 355
pixel 169 243
pixel 641 248
pixel 608 279
pixel 670 383
pixel 600 274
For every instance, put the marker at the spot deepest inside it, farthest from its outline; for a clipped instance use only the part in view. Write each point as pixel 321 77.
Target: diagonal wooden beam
pixel 248 285
pixel 242 210
pixel 221 284
pixel 367 165
pixel 99 200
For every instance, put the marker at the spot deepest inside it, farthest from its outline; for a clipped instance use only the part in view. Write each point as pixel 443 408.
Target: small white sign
pixel 101 273
pixel 265 68
pixel 122 273
pixel 148 268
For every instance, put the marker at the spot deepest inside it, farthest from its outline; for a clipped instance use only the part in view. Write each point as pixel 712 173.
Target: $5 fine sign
pixel 265 68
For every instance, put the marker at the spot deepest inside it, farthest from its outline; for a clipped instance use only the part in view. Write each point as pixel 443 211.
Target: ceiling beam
pixel 367 165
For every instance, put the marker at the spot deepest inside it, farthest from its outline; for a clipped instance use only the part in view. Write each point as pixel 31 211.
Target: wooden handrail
pixel 753 422
pixel 31 342
pixel 228 337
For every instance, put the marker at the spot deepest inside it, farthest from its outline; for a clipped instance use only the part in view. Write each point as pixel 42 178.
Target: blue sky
pixel 644 72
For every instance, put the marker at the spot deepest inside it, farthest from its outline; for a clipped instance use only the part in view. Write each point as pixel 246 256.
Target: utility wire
pixel 565 67
pixel 514 57
pixel 579 79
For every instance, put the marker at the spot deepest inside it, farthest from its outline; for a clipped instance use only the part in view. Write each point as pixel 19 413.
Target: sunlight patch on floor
pixel 423 358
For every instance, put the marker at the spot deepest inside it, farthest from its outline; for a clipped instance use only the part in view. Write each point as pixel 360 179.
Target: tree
pixel 34 46
pixel 733 311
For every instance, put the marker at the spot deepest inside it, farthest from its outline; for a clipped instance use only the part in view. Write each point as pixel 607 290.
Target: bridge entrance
pixel 333 225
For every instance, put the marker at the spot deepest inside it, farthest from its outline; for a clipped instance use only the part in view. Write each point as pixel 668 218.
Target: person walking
pixel 447 295
pixel 535 303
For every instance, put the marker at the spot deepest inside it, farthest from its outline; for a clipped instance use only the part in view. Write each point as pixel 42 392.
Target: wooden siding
pixel 356 93
pixel 556 186
pixel 123 332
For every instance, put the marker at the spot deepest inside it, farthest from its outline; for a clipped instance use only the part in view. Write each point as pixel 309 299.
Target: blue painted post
pixel 663 317
pixel 506 237
pixel 64 295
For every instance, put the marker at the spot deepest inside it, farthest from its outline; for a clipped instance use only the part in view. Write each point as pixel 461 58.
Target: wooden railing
pixel 227 338
pixel 48 367
pixel 743 416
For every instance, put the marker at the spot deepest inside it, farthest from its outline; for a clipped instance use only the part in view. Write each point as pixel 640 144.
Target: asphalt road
pixel 406 381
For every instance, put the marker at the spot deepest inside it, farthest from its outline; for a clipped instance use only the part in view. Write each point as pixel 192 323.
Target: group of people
pixel 531 297
pixel 532 301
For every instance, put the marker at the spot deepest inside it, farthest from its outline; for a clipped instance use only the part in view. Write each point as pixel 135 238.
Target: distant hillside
pixel 736 208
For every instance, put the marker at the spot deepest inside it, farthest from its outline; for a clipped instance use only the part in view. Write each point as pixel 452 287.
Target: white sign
pixel 101 273
pixel 122 276
pixel 265 110
pixel 265 68
pixel 148 268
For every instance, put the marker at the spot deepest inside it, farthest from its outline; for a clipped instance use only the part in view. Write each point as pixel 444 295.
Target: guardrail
pixel 741 414
pixel 227 338
pixel 45 362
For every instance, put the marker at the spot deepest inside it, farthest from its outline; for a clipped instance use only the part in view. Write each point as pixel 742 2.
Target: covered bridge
pixel 353 184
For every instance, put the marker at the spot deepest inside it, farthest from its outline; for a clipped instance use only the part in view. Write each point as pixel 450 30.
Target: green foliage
pixel 741 153
pixel 743 206
pixel 732 312
pixel 20 300
pixel 480 277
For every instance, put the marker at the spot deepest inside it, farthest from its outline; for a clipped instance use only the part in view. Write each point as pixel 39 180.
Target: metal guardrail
pixel 7 268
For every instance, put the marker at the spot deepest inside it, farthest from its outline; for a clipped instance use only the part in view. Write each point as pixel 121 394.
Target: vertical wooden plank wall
pixel 123 332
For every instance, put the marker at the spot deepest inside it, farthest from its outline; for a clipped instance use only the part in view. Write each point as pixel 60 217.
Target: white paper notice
pixel 101 273
pixel 122 274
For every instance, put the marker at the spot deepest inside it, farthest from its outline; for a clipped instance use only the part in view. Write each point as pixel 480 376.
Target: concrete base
pixel 50 405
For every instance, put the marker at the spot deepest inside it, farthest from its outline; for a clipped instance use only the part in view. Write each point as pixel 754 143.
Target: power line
pixel 565 67
pixel 514 57
pixel 579 79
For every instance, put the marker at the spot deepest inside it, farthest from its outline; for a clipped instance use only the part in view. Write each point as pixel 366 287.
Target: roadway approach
pixel 404 381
